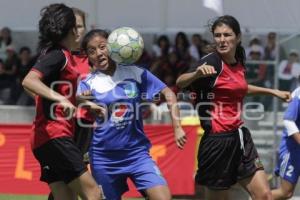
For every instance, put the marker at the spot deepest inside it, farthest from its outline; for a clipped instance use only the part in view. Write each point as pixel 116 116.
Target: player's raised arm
pixel 284 95
pixel 180 136
pixel 201 71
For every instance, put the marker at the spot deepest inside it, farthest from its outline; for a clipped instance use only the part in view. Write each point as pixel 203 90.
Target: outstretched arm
pixel 284 95
pixel 202 71
pixel 179 134
pixel 33 83
pixel 186 79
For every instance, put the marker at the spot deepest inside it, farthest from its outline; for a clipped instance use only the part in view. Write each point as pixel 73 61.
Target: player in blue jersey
pixel 120 149
pixel 288 167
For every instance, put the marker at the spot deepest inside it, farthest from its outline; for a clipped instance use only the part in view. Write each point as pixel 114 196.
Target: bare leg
pixel 61 191
pixel 257 186
pixel 285 191
pixel 160 192
pixel 86 187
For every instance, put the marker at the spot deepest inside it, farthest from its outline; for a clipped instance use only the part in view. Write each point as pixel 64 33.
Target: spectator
pixel 195 49
pixel 182 47
pixel 270 48
pixel 255 73
pixel 5 40
pixel 11 71
pixel 255 41
pixel 162 48
pixel 8 76
pixel 288 70
pixel 4 90
pixel 23 66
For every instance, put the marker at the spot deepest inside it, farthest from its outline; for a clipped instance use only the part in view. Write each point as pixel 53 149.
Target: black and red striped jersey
pixel 57 69
pixel 219 99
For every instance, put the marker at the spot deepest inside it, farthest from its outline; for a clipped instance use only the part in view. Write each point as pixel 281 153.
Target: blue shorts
pixel 288 167
pixel 112 174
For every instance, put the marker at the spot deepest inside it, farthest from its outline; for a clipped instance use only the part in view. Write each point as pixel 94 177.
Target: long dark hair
pixel 235 26
pixel 164 38
pixel 55 23
pixel 9 39
pixel 90 35
pixel 81 13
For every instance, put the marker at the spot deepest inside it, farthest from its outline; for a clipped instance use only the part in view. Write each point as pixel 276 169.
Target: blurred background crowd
pixel 166 56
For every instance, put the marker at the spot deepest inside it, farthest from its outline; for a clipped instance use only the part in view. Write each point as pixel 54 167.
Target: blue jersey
pixel 288 166
pixel 122 94
pixel 292 113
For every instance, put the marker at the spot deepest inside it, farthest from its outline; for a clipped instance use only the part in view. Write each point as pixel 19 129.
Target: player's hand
pixel 68 108
pixel 205 70
pixel 180 137
pixel 98 111
pixel 86 95
pixel 283 95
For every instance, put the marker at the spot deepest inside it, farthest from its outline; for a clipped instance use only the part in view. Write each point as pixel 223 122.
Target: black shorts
pixel 222 162
pixel 83 134
pixel 60 160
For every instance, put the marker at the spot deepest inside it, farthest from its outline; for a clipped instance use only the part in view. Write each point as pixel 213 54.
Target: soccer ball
pixel 125 45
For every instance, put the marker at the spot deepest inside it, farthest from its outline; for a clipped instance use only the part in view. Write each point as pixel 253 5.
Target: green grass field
pixel 22 197
pixel 17 197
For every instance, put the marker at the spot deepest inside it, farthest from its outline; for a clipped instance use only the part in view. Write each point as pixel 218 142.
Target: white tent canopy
pixel 258 16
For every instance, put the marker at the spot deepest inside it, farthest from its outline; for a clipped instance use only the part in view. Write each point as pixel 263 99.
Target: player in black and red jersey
pixel 84 119
pixel 226 153
pixel 54 81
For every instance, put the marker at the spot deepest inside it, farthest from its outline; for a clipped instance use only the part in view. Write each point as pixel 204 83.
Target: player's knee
pixel 264 194
pixel 97 194
pixel 287 194
pixel 161 197
pixel 167 197
pixel 164 198
pixel 94 193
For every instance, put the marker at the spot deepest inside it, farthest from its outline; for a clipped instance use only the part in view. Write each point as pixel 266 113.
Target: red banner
pixel 20 172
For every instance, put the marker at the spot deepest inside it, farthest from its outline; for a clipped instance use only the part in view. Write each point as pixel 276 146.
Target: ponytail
pixel 240 54
pixel 55 23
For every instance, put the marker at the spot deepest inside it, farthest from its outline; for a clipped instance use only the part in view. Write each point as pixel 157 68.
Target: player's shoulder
pixel 52 55
pixel 89 78
pixel 132 68
pixel 55 52
pixel 211 56
pixel 213 59
pixel 132 71
pixel 296 93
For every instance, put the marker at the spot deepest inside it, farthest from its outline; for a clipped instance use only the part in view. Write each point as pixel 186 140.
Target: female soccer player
pixel 288 167
pixel 54 80
pixel 120 148
pixel 84 120
pixel 226 153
